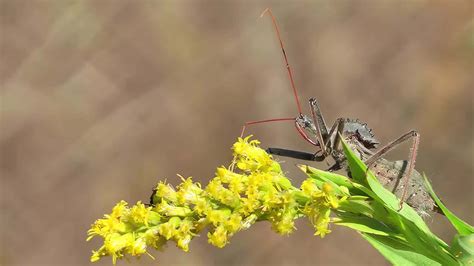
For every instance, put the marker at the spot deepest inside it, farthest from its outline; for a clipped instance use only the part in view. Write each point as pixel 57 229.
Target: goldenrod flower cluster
pixel 253 188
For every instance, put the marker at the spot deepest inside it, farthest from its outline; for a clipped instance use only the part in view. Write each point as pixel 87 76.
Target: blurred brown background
pixel 101 99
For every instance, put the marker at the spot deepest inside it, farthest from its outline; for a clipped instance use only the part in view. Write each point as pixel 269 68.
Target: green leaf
pixel 364 224
pixel 357 205
pixel 426 242
pixel 340 180
pixel 461 226
pixel 398 252
pixel 463 249
pixel 323 176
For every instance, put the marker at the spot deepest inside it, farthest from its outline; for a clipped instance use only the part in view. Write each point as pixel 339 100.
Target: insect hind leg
pixel 411 161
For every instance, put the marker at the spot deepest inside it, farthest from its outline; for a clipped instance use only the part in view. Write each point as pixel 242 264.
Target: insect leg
pixel 295 154
pixel 411 161
pixel 334 126
pixel 340 127
pixel 321 128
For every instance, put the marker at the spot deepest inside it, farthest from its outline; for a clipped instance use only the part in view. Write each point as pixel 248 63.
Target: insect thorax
pixel 354 129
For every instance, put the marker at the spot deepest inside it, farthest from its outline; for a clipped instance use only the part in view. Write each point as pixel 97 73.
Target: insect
pixel 400 177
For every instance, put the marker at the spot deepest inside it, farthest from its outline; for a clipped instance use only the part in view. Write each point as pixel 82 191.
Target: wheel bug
pixel 400 177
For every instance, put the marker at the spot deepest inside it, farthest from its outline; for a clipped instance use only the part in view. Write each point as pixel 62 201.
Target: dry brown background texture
pixel 101 99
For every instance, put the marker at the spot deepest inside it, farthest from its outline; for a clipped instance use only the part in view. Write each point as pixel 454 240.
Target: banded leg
pixel 411 159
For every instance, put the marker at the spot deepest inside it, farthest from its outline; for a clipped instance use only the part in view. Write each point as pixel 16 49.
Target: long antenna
pixel 288 68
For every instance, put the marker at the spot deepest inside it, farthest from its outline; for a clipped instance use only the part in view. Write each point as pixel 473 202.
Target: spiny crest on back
pixel 360 130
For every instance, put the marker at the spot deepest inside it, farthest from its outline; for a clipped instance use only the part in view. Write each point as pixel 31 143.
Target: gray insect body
pixel 397 176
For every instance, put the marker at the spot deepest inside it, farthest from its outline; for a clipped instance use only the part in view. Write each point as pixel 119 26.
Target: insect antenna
pixel 288 68
pixel 290 75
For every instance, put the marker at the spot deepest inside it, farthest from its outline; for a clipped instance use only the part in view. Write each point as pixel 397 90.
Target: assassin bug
pixel 398 176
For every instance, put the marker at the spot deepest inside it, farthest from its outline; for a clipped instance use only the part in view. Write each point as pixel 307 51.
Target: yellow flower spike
pixel 235 199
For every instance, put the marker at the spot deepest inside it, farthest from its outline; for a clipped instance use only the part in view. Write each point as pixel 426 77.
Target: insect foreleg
pixel 295 154
pixel 320 124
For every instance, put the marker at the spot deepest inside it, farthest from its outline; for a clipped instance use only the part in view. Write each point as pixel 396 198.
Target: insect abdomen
pixel 391 174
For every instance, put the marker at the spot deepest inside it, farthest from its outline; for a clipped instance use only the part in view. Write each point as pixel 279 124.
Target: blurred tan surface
pixel 102 99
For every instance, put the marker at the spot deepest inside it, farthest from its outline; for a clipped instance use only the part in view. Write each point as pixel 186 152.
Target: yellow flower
pixel 202 206
pixel 251 219
pixel 169 229
pixel 139 213
pixel 309 187
pixel 188 192
pixel 183 242
pixel 184 235
pixel 284 224
pixel 233 223
pixel 166 209
pixel 138 247
pixel 115 244
pixel 217 217
pixel 330 196
pixel 250 157
pixel 218 238
pixel 165 191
